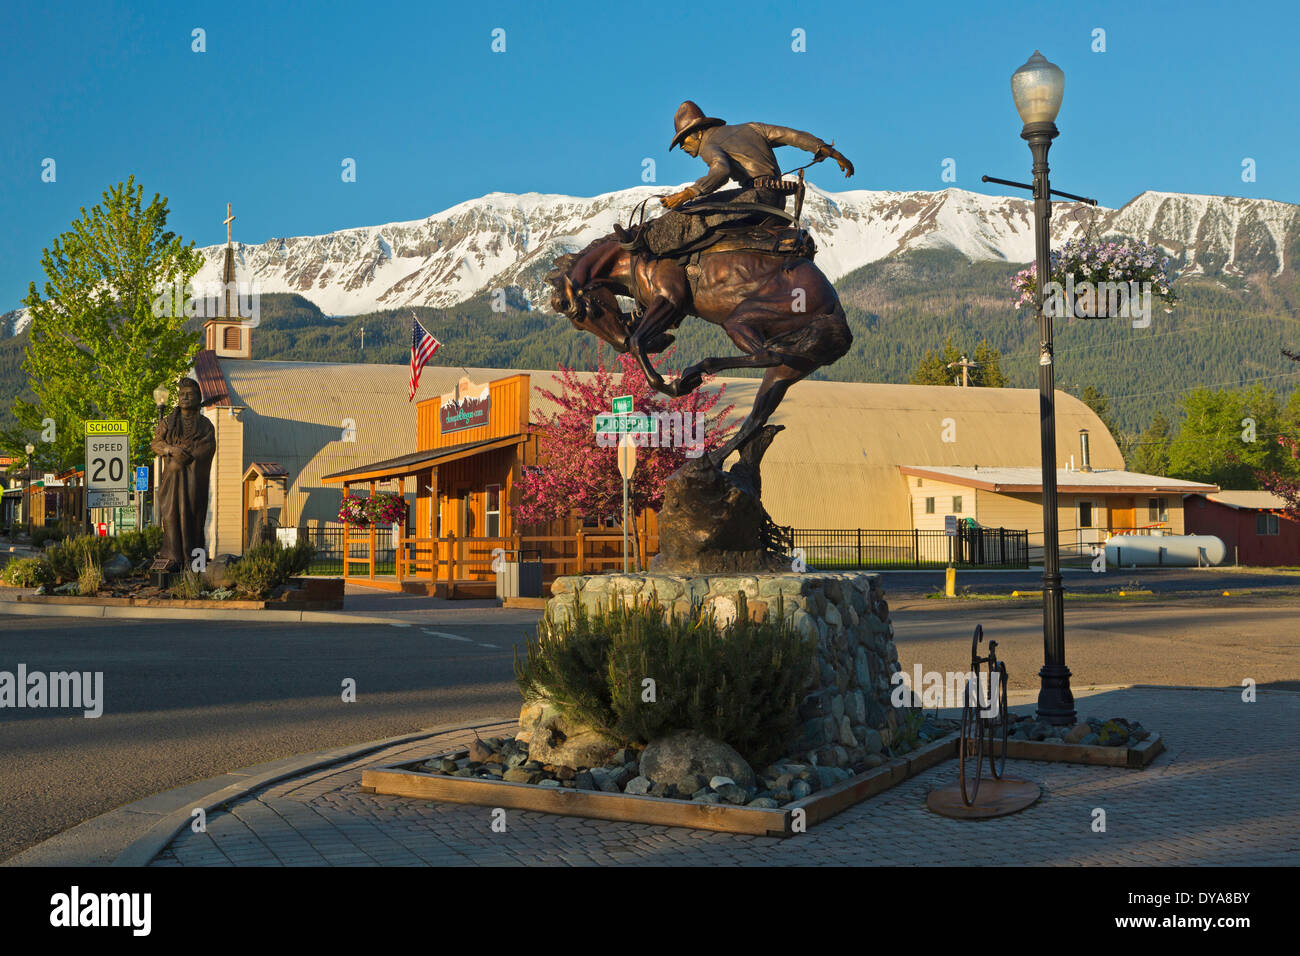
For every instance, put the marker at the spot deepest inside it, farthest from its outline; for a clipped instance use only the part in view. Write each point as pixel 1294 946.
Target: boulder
pixel 553 738
pixel 677 758
pixel 116 567
pixel 217 572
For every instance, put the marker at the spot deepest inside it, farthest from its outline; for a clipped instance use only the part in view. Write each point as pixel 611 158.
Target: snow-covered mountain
pixel 508 241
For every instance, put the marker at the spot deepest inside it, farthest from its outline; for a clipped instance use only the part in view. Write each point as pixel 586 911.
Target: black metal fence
pixel 329 550
pixel 822 549
pixel 844 549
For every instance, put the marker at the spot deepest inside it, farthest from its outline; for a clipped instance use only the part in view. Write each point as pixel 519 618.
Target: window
pixel 1085 514
pixel 956 504
pixel 929 506
pixel 1156 510
pixel 918 482
pixel 492 511
pixel 1266 524
pixel 230 337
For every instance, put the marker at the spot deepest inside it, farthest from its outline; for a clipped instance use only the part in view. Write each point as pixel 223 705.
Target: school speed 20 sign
pixel 108 459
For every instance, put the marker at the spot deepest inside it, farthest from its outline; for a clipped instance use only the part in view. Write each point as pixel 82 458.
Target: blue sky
pixel 585 91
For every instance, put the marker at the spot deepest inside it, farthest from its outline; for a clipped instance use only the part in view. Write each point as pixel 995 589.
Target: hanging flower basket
pixel 1098 280
pixel 385 508
pixel 355 511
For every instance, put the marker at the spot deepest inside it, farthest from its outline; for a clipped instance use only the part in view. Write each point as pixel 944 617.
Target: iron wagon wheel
pixel 972 742
pixel 999 725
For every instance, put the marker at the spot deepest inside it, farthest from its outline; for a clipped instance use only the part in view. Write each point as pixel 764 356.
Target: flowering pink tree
pixel 1285 486
pixel 579 475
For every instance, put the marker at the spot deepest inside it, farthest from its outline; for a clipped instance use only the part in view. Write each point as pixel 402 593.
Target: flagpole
pixel 417 321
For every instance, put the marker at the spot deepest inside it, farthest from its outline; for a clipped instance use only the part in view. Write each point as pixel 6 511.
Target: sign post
pixel 108 465
pixel 624 420
pixel 950 576
pixel 626 465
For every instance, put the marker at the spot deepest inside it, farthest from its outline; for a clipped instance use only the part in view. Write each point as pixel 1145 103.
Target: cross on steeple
pixel 230 217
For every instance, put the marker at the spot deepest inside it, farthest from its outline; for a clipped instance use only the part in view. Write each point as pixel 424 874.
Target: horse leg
pixel 776 382
pixel 659 316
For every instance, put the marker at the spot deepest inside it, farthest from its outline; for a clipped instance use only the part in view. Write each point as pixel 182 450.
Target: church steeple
pixel 226 334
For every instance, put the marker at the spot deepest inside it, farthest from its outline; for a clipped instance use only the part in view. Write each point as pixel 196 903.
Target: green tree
pixel 1227 436
pixel 1149 455
pixel 97 347
pixel 933 369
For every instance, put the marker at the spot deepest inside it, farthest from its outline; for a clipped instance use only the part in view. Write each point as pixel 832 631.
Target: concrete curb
pixel 169 812
pixel 199 614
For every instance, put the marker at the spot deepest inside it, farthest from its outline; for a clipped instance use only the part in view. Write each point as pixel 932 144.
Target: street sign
pixel 622 405
pixel 108 464
pixel 142 478
pixel 626 457
pixel 108 499
pixel 637 423
pixel 950 525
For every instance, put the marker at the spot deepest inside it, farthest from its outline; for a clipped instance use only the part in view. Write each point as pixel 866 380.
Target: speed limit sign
pixel 108 456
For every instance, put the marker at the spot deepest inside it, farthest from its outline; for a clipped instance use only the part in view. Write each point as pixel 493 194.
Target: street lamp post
pixel 1038 87
pixel 27 505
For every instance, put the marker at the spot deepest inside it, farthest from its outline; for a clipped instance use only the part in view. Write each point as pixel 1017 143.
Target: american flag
pixel 423 345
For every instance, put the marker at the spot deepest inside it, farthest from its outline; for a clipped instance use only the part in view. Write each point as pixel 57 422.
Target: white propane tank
pixel 1169 550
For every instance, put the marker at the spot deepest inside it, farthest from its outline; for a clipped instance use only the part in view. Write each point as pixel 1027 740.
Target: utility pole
pixel 965 365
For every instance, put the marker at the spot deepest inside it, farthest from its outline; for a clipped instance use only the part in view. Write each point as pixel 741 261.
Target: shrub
pixel 68 557
pixel 139 546
pixel 739 683
pixel 28 573
pixel 90 580
pixel 187 586
pixel 41 535
pixel 264 567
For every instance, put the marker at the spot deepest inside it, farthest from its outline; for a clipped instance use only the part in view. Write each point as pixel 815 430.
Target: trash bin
pixel 520 576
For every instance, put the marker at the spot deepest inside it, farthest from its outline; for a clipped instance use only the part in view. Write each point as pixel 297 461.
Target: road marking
pixel 493 646
pixel 450 637
pixel 395 624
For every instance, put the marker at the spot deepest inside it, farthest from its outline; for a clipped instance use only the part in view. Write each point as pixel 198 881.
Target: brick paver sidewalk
pixel 1227 791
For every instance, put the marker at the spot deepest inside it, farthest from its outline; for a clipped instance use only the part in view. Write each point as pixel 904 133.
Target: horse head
pixel 589 301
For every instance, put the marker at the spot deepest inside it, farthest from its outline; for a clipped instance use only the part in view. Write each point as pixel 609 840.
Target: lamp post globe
pixel 27 505
pixel 1038 87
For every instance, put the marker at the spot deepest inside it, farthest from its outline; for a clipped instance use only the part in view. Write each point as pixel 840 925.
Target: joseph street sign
pixel 637 423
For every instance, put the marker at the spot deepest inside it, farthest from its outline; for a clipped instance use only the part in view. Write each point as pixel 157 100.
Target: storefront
pixel 461 489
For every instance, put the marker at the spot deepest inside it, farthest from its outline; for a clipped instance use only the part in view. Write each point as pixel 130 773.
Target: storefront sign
pixel 469 409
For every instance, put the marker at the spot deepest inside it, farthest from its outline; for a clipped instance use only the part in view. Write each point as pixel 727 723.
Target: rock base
pixel 846 717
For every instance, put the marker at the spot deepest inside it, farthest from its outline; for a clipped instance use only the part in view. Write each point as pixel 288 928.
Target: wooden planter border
pixel 400 781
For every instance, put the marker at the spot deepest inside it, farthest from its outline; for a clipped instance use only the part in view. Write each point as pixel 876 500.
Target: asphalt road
pixel 190 700
pixel 186 701
pixel 1160 580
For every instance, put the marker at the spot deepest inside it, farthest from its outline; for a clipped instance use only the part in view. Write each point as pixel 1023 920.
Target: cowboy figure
pixel 742 153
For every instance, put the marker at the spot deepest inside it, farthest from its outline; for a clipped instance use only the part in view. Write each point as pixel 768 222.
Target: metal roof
pixel 410 464
pixel 1030 478
pixel 1249 500
pixel 834 466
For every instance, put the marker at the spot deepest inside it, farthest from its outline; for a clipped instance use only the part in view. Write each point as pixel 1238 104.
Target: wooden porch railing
pixel 470 559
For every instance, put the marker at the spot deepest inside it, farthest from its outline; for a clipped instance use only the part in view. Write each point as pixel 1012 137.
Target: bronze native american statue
pixel 732 258
pixel 186 442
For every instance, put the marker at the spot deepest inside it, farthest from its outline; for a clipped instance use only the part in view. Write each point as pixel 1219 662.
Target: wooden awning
pixel 421 460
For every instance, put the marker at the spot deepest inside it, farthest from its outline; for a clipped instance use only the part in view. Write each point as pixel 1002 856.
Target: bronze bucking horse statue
pixel 749 270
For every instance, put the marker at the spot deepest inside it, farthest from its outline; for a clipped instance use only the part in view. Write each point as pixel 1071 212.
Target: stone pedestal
pixel 846 716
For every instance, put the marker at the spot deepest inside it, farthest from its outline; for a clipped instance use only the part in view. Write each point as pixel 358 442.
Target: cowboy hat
pixel 689 119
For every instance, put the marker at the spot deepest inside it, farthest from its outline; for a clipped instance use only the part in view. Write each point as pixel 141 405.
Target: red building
pixel 1251 523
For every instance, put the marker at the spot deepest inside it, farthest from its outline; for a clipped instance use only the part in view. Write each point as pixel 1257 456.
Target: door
pixel 1089 532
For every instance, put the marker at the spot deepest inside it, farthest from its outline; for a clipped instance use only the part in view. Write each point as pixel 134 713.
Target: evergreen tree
pixel 96 348
pixel 941 368
pixel 1150 454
